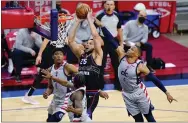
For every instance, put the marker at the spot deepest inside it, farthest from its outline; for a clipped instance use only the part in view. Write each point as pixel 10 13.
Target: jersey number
pixel 83 61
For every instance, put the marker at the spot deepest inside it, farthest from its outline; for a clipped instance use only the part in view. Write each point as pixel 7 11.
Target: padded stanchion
pixel 15 18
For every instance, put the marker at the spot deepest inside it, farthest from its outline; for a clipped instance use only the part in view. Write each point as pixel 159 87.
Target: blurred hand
pixel 103 94
pixel 33 53
pixel 98 22
pixel 77 19
pixel 45 95
pixel 33 35
pixel 38 60
pixel 89 15
pixel 170 98
pixel 69 108
pixel 46 73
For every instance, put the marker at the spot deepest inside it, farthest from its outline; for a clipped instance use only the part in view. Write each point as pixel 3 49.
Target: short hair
pixel 107 1
pixel 58 49
pixel 79 80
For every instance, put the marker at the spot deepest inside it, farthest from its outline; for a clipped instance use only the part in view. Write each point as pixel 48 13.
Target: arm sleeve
pixel 110 38
pixel 156 81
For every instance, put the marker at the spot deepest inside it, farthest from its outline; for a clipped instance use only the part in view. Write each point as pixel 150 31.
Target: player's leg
pixel 49 116
pixel 50 111
pixel 56 117
pixel 138 118
pixel 92 101
pixel 18 58
pixel 46 62
pixel 145 106
pixel 132 107
pixel 149 117
pixel 57 114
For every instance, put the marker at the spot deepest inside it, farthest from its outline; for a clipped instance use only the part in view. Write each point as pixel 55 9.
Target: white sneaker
pixel 29 100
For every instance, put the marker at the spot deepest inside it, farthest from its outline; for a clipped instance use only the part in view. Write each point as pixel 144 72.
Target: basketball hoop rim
pixel 46 18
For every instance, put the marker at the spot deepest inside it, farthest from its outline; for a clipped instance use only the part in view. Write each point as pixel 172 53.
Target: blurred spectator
pixel 135 32
pixel 112 22
pixel 5 49
pixel 140 7
pixel 26 46
pixel 12 4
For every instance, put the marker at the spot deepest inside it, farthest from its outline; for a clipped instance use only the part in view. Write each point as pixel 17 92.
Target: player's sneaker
pixel 30 100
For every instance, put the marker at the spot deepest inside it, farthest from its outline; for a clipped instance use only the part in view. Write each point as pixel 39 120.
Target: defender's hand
pixel 170 98
pixel 46 73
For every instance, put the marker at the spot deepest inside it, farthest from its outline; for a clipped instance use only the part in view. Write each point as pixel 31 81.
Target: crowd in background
pixel 135 32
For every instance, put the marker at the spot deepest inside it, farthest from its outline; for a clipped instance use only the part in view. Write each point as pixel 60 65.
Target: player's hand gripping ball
pixel 82 10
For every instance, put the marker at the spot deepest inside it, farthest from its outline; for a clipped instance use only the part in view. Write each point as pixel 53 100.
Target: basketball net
pixel 63 29
pixel 65 22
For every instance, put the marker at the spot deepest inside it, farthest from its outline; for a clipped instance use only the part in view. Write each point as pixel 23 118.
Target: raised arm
pixel 77 49
pixel 119 49
pixel 98 42
pixel 43 46
pixel 143 69
pixel 120 32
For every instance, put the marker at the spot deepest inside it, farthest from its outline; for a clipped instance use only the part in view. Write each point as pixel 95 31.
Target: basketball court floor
pixel 113 109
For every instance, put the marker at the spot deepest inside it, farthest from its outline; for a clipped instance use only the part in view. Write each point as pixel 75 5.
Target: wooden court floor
pixel 113 109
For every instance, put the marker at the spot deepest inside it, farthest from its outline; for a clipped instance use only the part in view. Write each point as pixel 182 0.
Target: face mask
pixel 141 20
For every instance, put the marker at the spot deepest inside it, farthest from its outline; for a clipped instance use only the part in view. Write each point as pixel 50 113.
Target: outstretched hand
pixel 46 73
pixel 170 98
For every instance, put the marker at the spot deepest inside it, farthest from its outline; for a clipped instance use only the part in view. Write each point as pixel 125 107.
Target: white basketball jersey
pixel 59 91
pixel 127 74
pixel 84 117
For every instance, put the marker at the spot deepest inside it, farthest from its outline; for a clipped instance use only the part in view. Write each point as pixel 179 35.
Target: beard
pixel 88 51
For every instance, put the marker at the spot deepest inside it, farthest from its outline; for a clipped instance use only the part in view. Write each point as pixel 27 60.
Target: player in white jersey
pixel 134 91
pixel 77 106
pixel 61 93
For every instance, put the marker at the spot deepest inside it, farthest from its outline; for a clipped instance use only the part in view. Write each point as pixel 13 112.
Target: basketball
pixel 82 10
